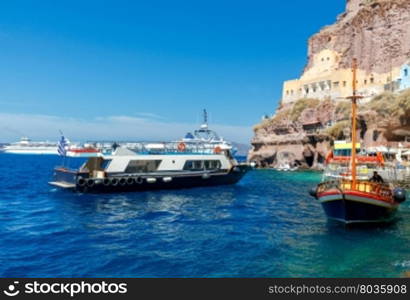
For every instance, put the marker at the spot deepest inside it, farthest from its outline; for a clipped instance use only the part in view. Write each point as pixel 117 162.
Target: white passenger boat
pixel 194 161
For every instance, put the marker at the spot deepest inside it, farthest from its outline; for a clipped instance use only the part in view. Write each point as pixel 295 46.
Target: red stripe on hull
pixel 355 193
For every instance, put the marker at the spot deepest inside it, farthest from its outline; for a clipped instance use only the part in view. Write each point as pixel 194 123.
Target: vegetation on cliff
pixel 336 131
pixel 301 105
pixel 287 115
pixel 389 105
pixel 404 101
pixel 343 110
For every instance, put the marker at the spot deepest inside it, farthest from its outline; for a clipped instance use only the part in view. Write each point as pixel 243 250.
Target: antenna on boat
pixel 354 99
pixel 205 123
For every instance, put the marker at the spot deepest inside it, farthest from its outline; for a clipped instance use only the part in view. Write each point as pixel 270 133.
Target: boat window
pixel 142 166
pixel 214 164
pixel 189 165
pixel 105 163
pixel 345 152
pixel 197 165
pixel 93 164
pixel 193 165
pixel 228 154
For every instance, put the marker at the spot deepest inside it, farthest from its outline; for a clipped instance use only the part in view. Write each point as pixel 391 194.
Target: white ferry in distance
pixel 199 159
pixel 26 146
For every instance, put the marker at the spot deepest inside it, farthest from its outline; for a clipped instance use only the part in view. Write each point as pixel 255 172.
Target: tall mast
pixel 354 98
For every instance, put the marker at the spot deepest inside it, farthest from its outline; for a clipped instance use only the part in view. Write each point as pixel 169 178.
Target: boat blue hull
pixel 349 211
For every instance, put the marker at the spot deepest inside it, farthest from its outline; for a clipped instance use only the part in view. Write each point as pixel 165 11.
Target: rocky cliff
pixel 285 139
pixel 303 133
pixel 377 32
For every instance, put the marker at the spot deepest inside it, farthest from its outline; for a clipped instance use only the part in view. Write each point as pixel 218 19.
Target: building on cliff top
pixel 328 75
pixel 325 80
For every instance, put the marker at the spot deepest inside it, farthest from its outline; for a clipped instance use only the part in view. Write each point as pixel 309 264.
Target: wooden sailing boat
pixel 352 199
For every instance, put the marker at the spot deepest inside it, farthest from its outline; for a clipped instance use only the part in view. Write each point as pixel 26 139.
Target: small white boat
pixel 286 168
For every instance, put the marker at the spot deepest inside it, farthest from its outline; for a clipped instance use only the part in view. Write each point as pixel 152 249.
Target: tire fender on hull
pixel 81 182
pixel 114 182
pixel 139 180
pixel 399 195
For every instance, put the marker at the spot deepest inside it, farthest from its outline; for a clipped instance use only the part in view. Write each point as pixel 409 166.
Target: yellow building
pixel 324 80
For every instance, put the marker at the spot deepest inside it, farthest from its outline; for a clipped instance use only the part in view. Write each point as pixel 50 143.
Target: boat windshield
pixel 206 135
pixel 95 164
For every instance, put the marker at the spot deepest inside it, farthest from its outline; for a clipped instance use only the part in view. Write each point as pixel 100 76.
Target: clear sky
pixel 111 69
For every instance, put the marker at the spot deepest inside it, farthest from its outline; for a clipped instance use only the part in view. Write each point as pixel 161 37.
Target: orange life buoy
pixel 380 158
pixel 181 147
pixel 329 157
pixel 217 150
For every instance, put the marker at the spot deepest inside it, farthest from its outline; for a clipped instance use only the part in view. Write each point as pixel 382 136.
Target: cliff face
pixel 302 134
pixel 293 136
pixel 377 33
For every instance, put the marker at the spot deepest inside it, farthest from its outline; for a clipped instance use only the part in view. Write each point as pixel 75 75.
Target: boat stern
pixel 64 178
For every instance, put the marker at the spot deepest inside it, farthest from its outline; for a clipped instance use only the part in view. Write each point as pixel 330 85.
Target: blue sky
pixel 135 65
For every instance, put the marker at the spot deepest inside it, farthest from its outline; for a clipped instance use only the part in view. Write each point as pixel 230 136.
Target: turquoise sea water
pixel 265 226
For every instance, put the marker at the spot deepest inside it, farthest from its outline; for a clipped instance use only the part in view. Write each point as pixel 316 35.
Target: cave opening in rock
pixel 313 141
pixel 320 159
pixel 309 160
pixel 257 147
pixel 376 135
pixel 362 126
pixel 269 160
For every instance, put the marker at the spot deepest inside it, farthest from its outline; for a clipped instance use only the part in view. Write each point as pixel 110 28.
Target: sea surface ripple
pixel 265 226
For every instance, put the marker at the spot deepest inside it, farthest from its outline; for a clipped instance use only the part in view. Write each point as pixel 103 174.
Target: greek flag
pixel 62 146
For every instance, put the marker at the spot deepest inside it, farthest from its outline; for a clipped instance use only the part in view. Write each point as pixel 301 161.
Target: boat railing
pixel 382 190
pixel 365 171
pixel 182 147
